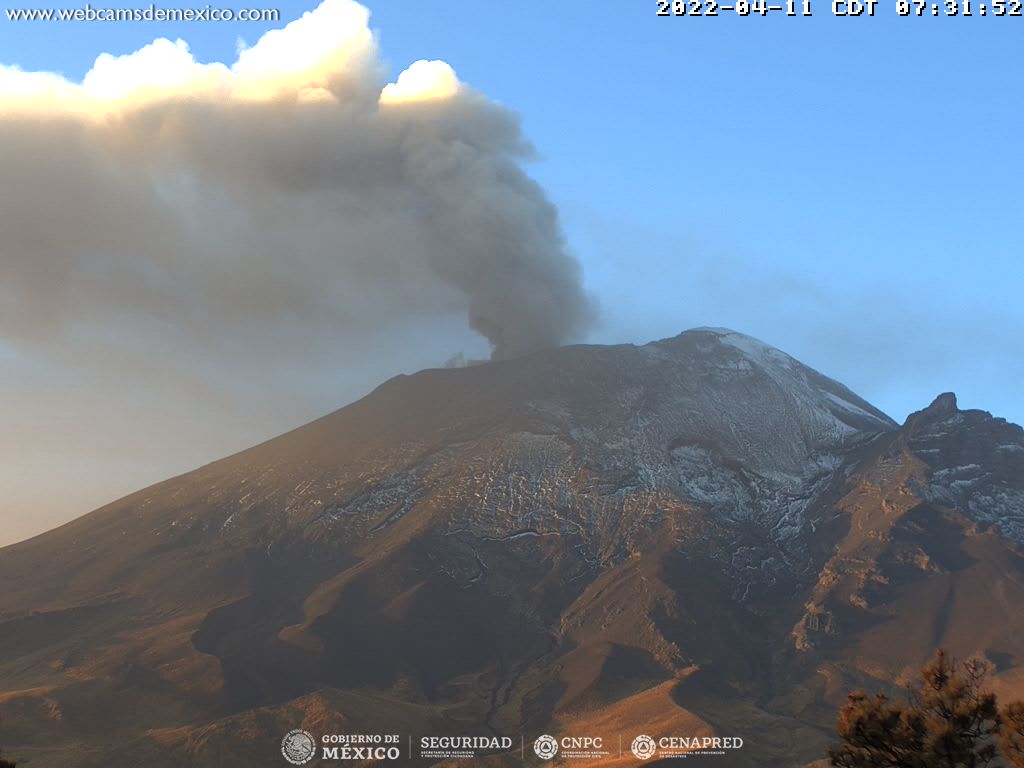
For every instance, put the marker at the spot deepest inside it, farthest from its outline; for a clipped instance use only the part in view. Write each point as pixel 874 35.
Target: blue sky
pixel 844 188
pixel 847 189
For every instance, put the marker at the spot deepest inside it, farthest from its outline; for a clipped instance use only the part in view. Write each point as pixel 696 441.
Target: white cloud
pixel 423 80
pixel 159 70
pixel 326 54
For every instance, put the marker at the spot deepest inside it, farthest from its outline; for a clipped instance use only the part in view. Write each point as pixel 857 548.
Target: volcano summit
pixel 696 537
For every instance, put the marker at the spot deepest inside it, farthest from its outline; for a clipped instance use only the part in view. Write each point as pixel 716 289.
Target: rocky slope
pixel 699 534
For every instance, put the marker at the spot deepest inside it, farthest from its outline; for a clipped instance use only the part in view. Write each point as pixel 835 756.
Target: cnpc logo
pixel 546 747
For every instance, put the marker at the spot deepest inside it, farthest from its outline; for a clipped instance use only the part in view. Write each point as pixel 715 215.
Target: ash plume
pixel 291 194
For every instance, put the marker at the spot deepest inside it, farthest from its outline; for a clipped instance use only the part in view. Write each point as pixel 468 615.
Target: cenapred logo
pixel 546 747
pixel 298 747
pixel 644 747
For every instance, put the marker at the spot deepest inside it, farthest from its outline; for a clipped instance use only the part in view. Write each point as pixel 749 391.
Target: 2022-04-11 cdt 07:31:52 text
pixel 840 8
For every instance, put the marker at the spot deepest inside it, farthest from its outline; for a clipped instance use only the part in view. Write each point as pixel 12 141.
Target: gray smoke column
pixel 290 194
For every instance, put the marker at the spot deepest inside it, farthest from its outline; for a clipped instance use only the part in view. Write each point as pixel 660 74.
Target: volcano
pixel 697 536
